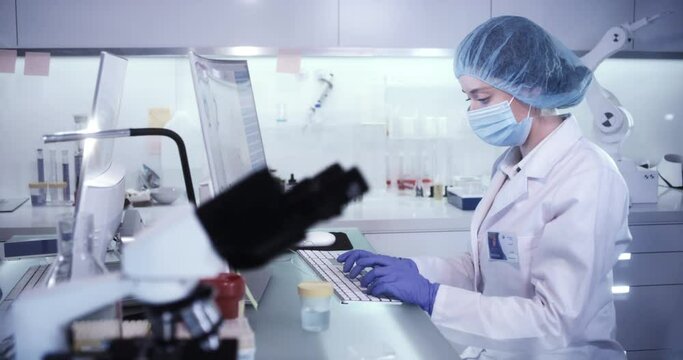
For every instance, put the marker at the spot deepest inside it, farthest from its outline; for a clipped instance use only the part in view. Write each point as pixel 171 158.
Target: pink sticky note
pixel 8 60
pixel 37 63
pixel 289 61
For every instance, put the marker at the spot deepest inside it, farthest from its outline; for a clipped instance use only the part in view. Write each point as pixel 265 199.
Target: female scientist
pixel 545 236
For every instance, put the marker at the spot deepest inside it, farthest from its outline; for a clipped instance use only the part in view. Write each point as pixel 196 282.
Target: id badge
pixel 502 247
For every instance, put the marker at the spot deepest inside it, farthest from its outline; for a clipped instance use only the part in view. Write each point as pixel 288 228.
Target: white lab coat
pixel 567 205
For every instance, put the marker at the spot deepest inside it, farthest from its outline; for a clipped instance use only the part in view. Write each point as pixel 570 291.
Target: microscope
pixel 245 226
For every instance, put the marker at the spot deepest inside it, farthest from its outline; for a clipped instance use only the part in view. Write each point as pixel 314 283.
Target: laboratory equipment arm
pixel 612 122
pixel 568 272
pixel 328 85
pixel 457 271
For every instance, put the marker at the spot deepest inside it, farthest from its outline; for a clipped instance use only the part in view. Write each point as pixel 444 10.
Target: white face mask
pixel 496 125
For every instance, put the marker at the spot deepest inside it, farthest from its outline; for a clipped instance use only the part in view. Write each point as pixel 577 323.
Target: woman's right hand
pixel 357 260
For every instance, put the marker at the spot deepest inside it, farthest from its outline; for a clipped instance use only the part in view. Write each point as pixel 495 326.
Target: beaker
pixel 315 305
pixel 38 192
pixel 84 251
pixel 281 113
pixel 61 271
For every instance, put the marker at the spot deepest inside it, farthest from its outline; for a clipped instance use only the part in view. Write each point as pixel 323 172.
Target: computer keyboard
pixel 325 264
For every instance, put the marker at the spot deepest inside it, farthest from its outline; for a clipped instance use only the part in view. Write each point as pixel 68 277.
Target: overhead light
pixel 625 256
pixel 429 52
pixel 247 51
pixel 621 289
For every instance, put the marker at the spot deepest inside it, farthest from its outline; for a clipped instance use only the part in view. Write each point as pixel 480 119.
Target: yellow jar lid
pixel 315 288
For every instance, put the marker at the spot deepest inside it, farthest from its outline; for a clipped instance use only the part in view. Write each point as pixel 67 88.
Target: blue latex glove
pixel 391 277
pixel 357 260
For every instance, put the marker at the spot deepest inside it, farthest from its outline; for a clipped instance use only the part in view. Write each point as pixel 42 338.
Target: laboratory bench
pixel 378 212
pixel 403 225
pixel 359 330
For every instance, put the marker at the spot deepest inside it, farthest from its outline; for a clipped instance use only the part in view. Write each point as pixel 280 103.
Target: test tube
pixel 52 176
pixel 387 171
pixel 81 123
pixel 78 159
pixel 65 174
pixel 40 161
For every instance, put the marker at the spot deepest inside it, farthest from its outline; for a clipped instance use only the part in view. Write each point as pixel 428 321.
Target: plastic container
pixel 315 305
pixel 229 289
pixel 38 193
pixel 86 251
pixel 61 271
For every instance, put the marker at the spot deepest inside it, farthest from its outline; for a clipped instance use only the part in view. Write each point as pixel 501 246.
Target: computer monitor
pixel 102 189
pixel 227 112
pixel 232 137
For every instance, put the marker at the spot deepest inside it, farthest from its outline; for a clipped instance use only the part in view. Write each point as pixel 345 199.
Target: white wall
pixel 368 94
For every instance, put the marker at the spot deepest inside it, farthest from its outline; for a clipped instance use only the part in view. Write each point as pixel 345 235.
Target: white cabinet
pixel 318 23
pixel 409 23
pixel 8 25
pixel 579 24
pixel 648 316
pixel 176 23
pixel 665 34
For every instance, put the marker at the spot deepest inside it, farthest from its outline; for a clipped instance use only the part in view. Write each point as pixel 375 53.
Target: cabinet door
pixel 409 23
pixel 579 24
pixel 8 24
pixel 665 34
pixel 649 317
pixel 650 355
pixel 176 23
pixel 656 238
pixel 645 269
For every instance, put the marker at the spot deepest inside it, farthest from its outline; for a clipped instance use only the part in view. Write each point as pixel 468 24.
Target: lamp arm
pixel 182 151
pixel 119 133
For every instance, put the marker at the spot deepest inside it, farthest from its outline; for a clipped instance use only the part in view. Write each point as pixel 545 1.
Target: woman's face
pixel 480 94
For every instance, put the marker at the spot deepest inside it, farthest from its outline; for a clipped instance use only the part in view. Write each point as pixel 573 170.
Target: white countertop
pixel 378 212
pixel 669 209
pixel 382 212
pixel 27 216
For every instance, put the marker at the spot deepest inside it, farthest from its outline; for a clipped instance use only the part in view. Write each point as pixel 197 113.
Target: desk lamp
pixel 119 133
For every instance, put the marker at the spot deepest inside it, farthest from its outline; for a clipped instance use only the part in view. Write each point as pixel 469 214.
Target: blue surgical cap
pixel 515 55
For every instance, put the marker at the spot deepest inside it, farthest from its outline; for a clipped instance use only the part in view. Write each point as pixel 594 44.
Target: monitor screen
pixel 111 76
pixel 101 190
pixel 228 116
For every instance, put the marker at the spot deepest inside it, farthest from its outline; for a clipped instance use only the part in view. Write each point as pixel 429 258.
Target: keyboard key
pixel 325 265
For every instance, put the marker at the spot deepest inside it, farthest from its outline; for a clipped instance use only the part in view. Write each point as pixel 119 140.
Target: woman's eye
pixel 483 101
pixel 468 99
